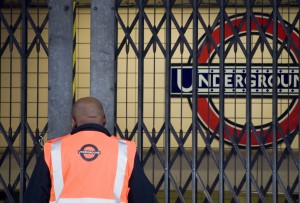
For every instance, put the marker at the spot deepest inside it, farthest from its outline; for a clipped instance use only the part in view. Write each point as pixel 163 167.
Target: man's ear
pixel 74 124
pixel 104 120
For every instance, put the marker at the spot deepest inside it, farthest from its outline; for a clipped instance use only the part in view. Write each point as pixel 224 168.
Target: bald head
pixel 88 110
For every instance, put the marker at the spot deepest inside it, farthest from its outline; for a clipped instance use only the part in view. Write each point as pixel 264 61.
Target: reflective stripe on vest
pixel 121 167
pixel 85 200
pixel 59 181
pixel 57 169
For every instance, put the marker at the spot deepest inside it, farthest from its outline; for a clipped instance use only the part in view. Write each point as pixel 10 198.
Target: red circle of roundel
pixel 209 116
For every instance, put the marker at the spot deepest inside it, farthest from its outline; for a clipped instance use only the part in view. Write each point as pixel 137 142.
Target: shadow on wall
pixel 3 198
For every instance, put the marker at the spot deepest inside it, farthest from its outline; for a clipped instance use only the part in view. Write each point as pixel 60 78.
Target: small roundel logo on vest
pixel 89 152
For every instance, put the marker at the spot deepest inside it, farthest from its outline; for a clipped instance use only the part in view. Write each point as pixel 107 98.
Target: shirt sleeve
pixel 38 189
pixel 141 190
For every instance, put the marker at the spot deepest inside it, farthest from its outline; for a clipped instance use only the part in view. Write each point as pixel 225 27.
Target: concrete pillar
pixel 60 67
pixel 102 57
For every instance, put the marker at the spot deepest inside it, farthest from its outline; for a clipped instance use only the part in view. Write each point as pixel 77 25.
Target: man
pixel 89 165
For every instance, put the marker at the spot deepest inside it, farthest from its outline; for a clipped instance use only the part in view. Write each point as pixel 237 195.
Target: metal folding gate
pixel 195 90
pixel 23 92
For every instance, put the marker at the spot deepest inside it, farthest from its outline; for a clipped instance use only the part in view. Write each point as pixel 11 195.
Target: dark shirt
pixel 38 190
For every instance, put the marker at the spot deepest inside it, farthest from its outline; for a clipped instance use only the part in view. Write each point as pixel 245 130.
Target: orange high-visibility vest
pixel 89 167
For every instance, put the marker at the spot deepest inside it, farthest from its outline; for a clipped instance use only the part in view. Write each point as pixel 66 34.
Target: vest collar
pixel 92 127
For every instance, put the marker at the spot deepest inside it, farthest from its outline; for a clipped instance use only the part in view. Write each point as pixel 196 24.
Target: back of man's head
pixel 88 110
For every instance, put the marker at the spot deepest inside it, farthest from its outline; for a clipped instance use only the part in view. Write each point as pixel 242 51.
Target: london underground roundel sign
pixel 235 74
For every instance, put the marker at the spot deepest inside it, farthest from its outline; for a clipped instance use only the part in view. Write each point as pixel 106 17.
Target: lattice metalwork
pixel 23 92
pixel 234 138
pixel 221 131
